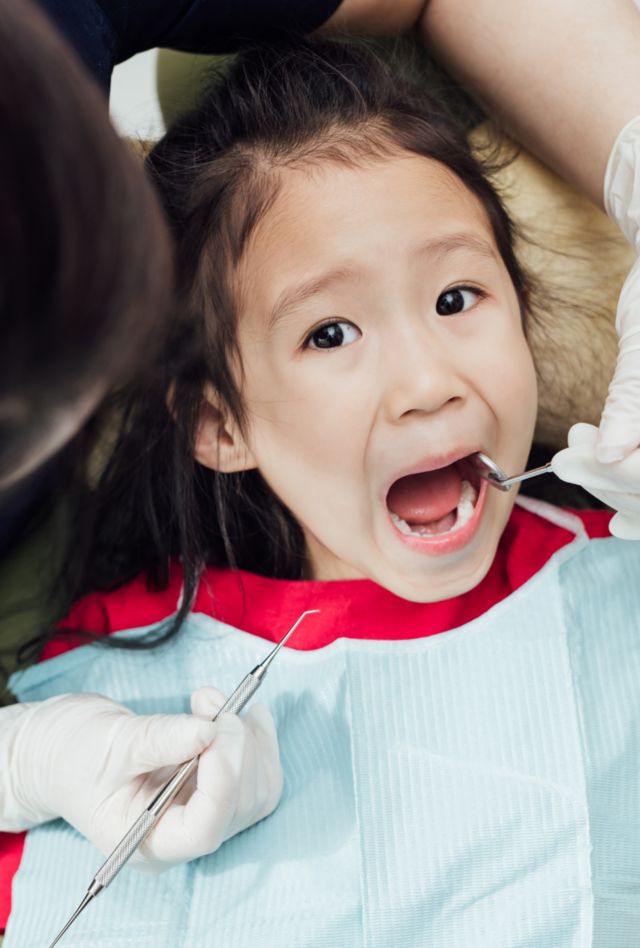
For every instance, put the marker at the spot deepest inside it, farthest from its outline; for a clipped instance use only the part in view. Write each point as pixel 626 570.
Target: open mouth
pixel 434 503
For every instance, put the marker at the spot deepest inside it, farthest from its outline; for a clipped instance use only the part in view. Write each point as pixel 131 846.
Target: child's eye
pixel 332 335
pixel 457 300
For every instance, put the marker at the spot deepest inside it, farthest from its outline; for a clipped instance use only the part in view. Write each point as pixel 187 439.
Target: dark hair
pixel 218 171
pixel 85 267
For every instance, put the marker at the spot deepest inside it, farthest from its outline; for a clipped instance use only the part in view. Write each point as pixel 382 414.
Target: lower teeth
pixel 464 512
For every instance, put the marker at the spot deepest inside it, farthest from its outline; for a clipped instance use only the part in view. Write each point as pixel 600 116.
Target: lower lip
pixel 444 543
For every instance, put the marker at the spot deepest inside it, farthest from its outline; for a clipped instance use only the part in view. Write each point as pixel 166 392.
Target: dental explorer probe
pixel 492 472
pixel 149 817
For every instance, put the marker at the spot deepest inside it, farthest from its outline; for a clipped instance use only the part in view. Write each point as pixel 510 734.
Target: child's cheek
pixel 520 398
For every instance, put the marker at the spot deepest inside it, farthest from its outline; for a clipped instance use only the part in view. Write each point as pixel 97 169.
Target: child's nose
pixel 421 375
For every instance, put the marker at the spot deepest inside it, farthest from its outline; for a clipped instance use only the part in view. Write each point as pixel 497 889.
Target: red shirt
pixel 350 609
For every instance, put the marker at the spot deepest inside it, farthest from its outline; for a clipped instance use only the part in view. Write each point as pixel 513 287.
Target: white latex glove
pixel 617 484
pixel 98 765
pixel 620 423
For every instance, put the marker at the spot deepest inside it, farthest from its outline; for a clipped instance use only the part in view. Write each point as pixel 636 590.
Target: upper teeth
pixel 464 511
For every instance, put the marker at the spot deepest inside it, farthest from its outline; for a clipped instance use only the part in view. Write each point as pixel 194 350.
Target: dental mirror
pixel 492 472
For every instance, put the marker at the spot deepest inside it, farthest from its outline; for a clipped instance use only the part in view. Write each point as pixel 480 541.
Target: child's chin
pixel 454 580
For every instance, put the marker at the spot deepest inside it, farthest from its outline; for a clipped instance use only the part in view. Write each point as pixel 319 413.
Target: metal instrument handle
pixel 240 696
pixel 533 472
pixel 125 848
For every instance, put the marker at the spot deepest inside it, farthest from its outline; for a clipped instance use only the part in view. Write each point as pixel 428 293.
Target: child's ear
pixel 219 443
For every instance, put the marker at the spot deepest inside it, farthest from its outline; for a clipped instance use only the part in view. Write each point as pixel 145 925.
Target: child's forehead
pixel 322 187
pixel 340 215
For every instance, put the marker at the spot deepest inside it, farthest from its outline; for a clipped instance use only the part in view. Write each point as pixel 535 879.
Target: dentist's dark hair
pixel 85 257
pixel 218 171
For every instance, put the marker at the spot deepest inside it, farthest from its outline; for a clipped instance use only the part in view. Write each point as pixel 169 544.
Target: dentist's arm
pixel 563 75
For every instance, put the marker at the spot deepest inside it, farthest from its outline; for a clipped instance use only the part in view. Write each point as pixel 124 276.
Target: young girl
pixel 460 726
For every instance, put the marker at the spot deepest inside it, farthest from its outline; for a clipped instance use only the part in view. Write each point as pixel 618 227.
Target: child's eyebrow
pixel 449 243
pixel 294 296
pixel 434 247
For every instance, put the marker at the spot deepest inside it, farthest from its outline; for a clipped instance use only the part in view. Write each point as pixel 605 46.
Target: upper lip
pixel 432 462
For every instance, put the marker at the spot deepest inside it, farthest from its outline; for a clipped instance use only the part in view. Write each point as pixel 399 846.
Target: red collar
pixel 350 608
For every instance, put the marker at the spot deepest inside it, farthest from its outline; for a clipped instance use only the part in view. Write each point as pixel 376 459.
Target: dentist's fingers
pixel 616 484
pixel 238 783
pixel 207 701
pixel 619 432
pixel 625 526
pixel 578 464
pixel 187 831
pixel 582 434
pixel 261 780
pixel 148 742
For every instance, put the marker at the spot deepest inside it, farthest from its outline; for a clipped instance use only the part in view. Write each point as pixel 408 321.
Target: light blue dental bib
pixel 475 789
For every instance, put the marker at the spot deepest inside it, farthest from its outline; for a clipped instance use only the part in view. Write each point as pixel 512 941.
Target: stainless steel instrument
pixel 149 817
pixel 492 472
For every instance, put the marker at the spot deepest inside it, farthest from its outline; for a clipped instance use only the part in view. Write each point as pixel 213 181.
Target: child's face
pixel 381 337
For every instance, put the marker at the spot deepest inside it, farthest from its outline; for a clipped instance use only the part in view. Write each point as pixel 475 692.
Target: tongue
pixel 423 498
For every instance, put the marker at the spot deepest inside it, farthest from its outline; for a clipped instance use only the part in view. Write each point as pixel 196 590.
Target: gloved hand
pixel 620 423
pixel 98 765
pixel 616 484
